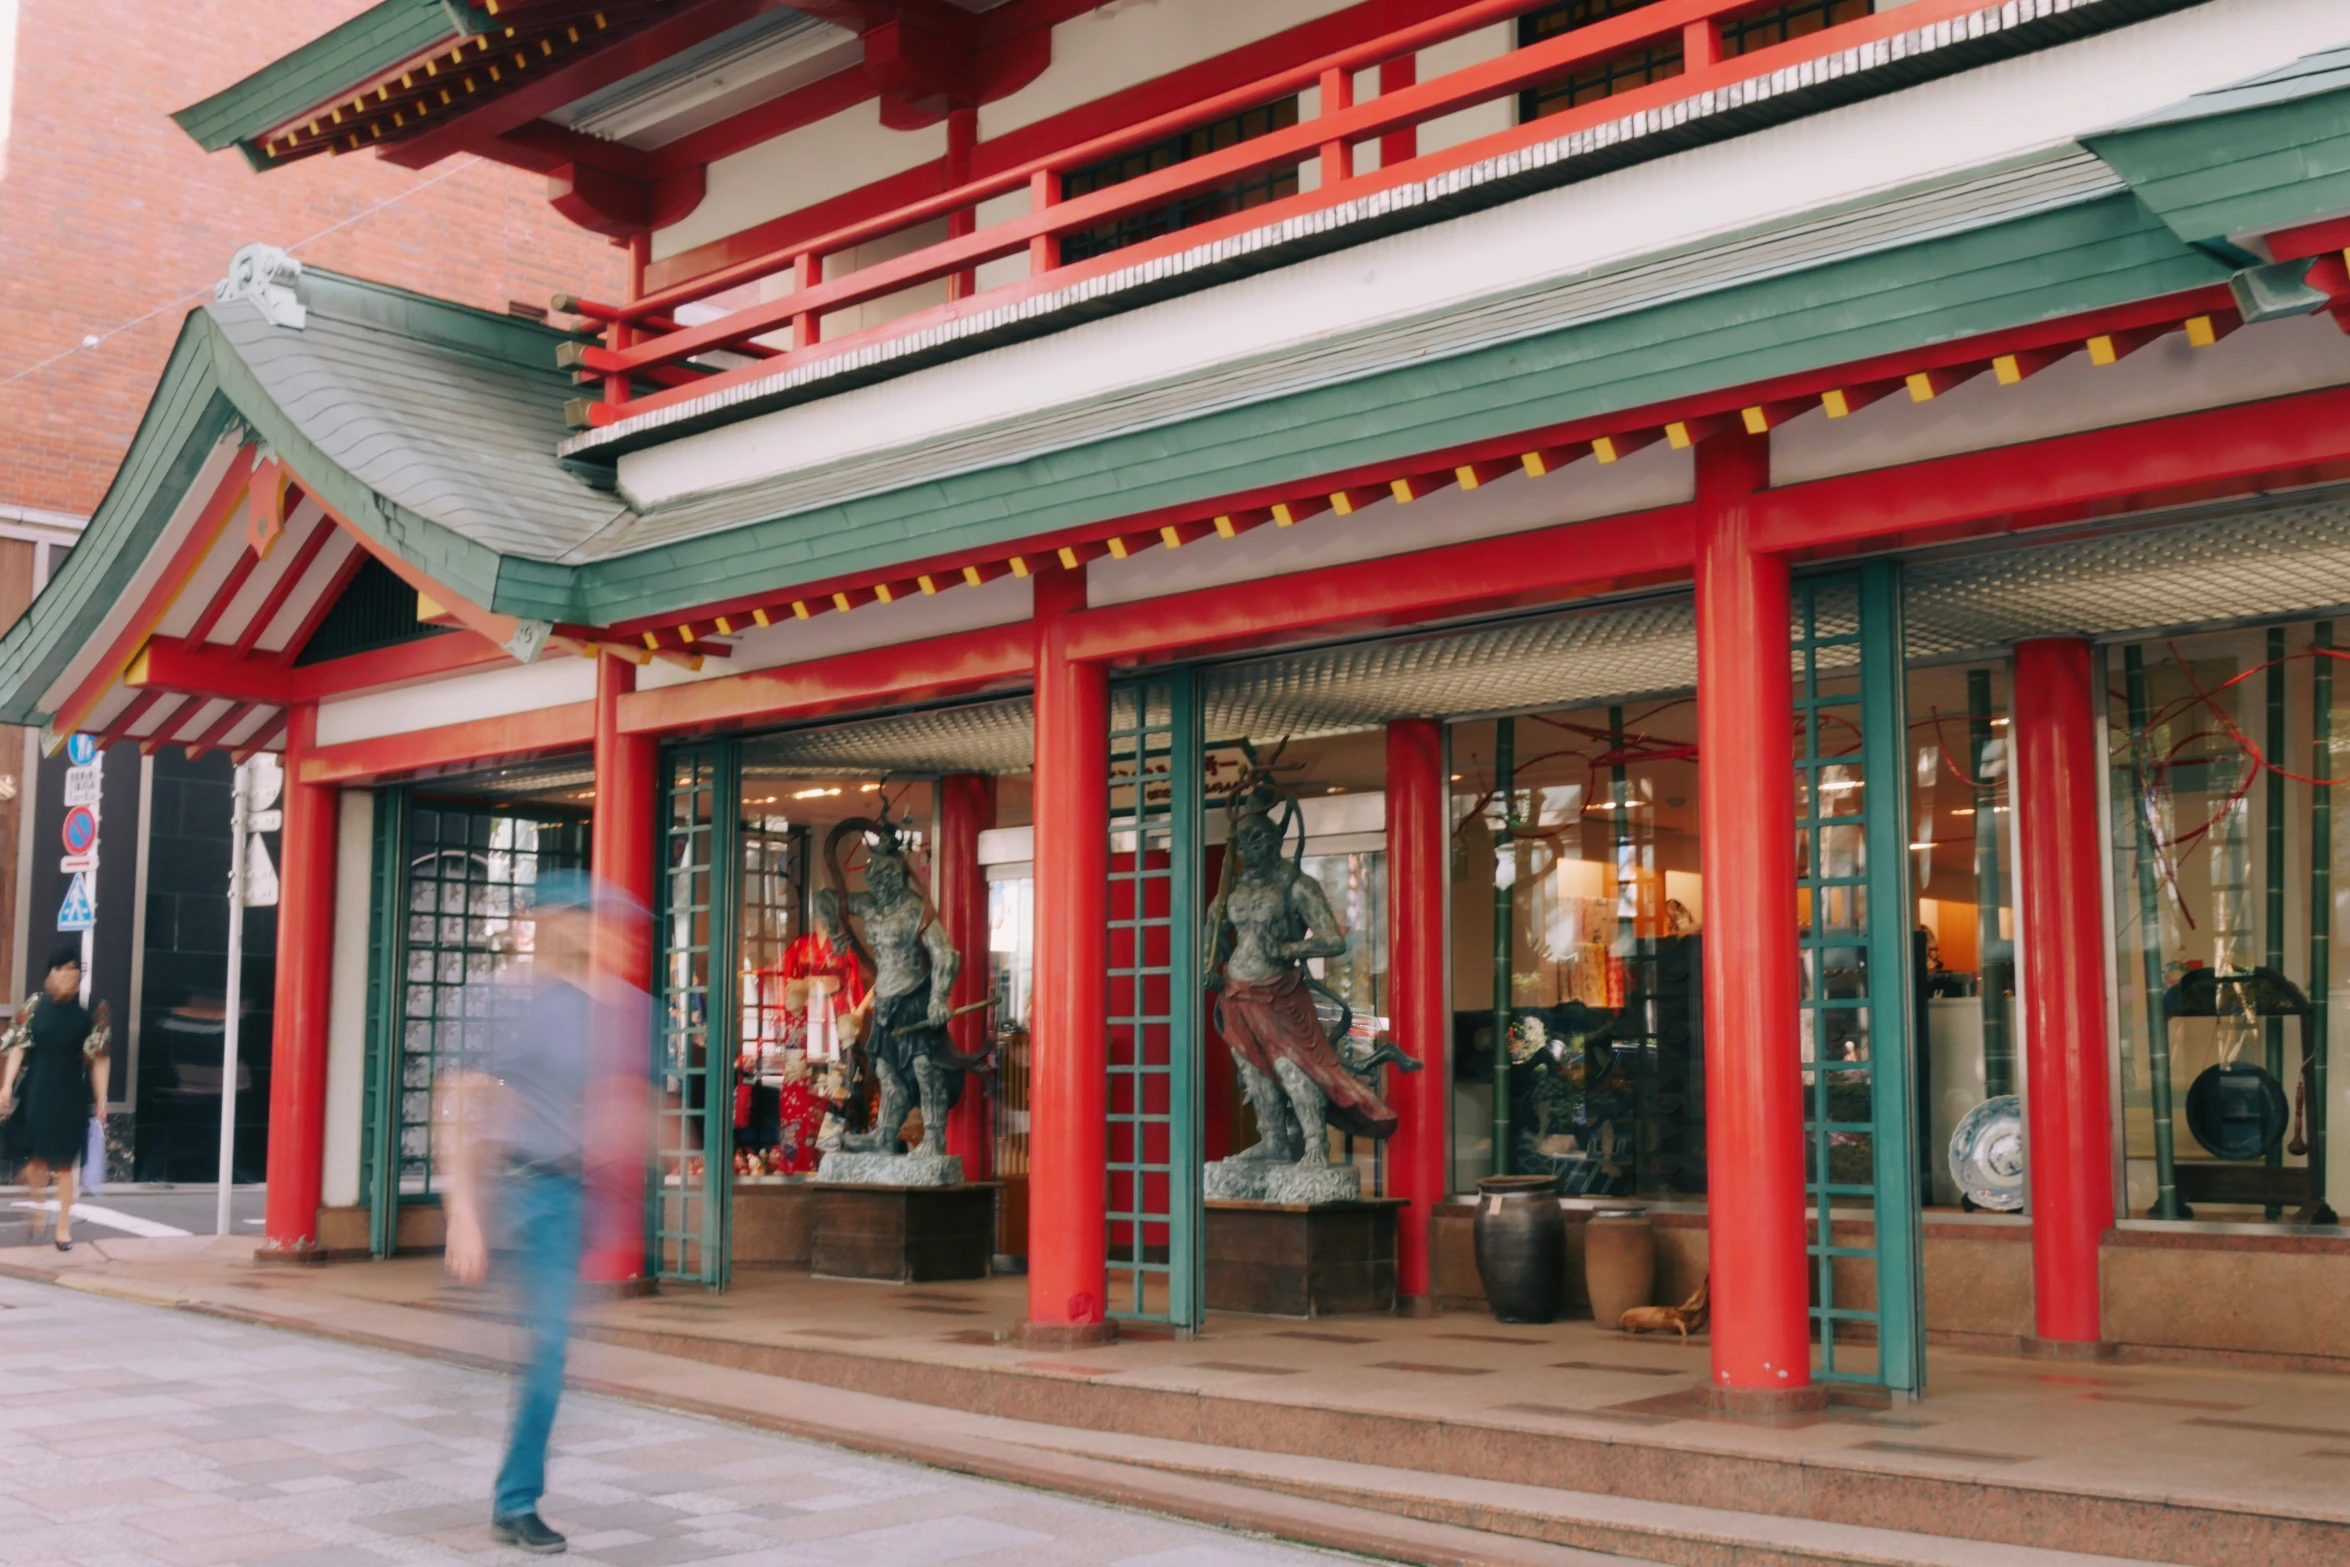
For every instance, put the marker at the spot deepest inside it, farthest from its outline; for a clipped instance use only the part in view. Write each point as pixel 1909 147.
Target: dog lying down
pixel 1686 1318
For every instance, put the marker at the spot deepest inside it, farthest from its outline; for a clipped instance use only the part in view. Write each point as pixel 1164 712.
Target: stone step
pixel 1966 1502
pixel 1670 1533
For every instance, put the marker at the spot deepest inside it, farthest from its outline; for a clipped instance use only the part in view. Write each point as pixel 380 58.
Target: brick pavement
pixel 137 1436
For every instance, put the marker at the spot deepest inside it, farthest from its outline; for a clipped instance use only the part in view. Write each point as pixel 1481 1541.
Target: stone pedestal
pixel 773 1224
pixel 890 1169
pixel 1266 1180
pixel 905 1234
pixel 1302 1259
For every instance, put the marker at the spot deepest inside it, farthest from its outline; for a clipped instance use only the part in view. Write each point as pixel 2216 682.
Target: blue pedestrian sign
pixel 81 750
pixel 77 911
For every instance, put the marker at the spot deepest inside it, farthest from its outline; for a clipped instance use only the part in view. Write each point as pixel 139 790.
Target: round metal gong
pixel 1987 1154
pixel 2237 1111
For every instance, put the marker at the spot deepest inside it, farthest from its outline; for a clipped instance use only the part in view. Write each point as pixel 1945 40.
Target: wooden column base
pixel 905 1234
pixel 1302 1260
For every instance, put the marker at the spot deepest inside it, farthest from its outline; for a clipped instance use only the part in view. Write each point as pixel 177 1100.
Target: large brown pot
pixel 1521 1247
pixel 1619 1263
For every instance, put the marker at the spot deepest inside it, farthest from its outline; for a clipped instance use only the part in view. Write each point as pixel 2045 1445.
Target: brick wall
pixel 109 213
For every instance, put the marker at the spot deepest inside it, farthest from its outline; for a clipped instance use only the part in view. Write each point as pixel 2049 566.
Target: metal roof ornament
pixel 265 275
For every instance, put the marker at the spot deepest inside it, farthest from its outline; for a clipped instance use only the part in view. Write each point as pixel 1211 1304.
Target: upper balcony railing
pixel 1637 54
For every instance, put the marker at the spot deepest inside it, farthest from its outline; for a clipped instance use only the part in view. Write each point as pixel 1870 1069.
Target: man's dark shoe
pixel 529 1532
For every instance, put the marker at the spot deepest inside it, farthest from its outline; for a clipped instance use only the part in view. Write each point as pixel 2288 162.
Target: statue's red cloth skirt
pixel 1275 1021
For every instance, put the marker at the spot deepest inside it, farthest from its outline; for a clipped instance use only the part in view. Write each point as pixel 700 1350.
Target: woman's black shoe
pixel 529 1532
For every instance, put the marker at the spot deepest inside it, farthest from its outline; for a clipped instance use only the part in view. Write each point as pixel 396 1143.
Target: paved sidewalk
pixel 138 1436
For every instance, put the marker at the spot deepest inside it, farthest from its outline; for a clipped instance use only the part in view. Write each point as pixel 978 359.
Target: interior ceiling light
pixel 814 794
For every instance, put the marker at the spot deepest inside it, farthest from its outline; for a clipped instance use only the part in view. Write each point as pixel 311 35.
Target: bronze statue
pixel 1268 921
pixel 913 966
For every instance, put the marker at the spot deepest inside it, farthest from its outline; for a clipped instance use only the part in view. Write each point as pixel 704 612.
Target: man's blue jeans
pixel 541 1257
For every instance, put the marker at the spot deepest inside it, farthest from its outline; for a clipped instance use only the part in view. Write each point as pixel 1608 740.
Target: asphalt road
pixel 135 1210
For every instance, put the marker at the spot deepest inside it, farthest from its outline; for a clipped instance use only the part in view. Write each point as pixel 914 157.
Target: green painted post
pixel 1901 1338
pixel 1505 852
pixel 2275 803
pixel 388 952
pixel 722 1040
pixel 2321 896
pixel 2166 1179
pixel 1991 978
pixel 1186 1188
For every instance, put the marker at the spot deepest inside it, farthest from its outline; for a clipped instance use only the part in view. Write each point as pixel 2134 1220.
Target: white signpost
pixel 85 783
pixel 252 884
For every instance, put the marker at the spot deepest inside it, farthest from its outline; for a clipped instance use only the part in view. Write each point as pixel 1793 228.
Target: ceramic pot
pixel 1619 1263
pixel 1521 1247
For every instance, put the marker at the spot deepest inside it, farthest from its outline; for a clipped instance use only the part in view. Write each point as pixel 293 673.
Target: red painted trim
pixel 263 738
pixel 211 734
pixel 283 588
pixel 683 272
pixel 226 593
pixel 1746 808
pixel 2310 239
pixel 2059 750
pixel 325 603
pixel 966 808
pixel 1418 840
pixel 621 856
pixel 2131 467
pixel 128 720
pixel 305 983
pixel 569 727
pixel 168 586
pixel 213 671
pixel 957 665
pixel 1575 560
pixel 1068 1224
pixel 589 73
pixel 1393 112
pixel 818 100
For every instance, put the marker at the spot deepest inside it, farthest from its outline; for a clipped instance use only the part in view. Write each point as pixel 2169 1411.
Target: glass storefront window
pixel 1963 953
pixel 1577 902
pixel 2226 894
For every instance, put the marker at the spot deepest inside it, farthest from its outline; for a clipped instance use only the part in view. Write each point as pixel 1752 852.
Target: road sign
pixel 83 785
pixel 81 749
pixel 260 875
pixel 81 829
pixel 78 911
pixel 73 863
pixel 267 821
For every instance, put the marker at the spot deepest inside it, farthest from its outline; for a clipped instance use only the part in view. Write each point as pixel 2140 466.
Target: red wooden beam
pixel 263 738
pixel 326 602
pixel 2126 468
pixel 167 587
pixel 571 726
pixel 955 665
pixel 172 664
pixel 1545 565
pixel 128 719
pixel 212 733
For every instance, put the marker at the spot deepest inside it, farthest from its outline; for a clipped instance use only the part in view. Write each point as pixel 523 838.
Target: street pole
pixel 234 1003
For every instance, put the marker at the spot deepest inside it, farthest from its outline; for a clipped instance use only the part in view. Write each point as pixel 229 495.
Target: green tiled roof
pixel 370 43
pixel 2263 154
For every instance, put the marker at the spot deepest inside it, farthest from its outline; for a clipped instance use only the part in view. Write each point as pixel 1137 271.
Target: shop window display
pixel 1969 1072
pixel 1577 907
pixel 2227 868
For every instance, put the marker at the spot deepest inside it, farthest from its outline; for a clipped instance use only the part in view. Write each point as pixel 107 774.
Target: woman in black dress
pixel 51 1081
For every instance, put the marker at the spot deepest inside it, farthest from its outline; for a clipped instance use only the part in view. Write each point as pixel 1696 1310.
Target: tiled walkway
pixel 135 1436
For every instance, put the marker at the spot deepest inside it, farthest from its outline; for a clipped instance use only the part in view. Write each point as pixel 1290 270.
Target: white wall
pixel 1128 42
pixel 346 1012
pixel 832 157
pixel 554 681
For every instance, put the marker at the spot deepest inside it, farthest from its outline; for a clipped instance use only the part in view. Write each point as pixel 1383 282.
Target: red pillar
pixel 1753 1077
pixel 966 808
pixel 1068 1224
pixel 2060 838
pixel 1416 834
pixel 305 980
pixel 620 858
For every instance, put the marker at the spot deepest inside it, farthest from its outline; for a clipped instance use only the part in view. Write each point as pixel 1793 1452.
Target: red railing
pixel 644 341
